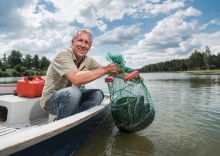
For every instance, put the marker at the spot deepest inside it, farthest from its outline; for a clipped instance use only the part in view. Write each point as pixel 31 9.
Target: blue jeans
pixel 71 100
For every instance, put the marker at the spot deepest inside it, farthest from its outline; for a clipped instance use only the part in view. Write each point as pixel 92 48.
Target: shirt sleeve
pixel 63 63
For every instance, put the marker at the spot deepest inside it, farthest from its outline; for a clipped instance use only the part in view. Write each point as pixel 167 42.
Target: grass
pixel 217 71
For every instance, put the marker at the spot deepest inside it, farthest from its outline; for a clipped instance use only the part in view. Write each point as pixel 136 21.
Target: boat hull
pixel 62 137
pixel 67 142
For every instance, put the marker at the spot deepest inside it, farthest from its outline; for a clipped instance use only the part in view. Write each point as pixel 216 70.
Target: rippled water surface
pixel 187 121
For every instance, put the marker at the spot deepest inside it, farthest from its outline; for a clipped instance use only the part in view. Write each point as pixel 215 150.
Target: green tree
pixel 206 56
pixel 16 74
pixel 196 60
pixel 44 63
pixel 213 60
pixel 36 62
pixel 1 64
pixel 15 58
pixel 18 68
pixel 183 66
pixel 28 61
pixel 218 61
pixel 4 60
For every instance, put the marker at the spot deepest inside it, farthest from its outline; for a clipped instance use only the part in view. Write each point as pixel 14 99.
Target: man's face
pixel 81 45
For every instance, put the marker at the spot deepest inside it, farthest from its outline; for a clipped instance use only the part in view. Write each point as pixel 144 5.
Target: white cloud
pixel 158 8
pixel 171 38
pixel 189 12
pixel 45 27
pixel 92 13
pixel 209 39
pixel 212 22
pixel 118 35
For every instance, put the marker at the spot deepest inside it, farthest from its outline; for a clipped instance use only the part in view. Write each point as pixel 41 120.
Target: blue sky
pixel 143 32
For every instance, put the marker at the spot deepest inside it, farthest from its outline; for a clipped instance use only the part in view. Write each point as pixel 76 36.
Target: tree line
pixel 17 65
pixel 197 61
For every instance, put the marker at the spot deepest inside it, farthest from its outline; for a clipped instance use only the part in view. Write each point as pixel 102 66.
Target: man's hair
pixel 85 31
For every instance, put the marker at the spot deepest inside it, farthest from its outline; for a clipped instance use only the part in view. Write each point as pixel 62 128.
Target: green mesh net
pixel 131 104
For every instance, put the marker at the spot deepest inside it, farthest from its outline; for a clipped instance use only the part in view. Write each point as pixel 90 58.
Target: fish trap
pixel 131 104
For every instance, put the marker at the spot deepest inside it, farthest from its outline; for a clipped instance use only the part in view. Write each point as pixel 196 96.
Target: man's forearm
pixel 83 77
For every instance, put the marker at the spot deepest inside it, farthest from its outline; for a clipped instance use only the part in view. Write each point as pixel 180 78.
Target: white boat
pixel 26 129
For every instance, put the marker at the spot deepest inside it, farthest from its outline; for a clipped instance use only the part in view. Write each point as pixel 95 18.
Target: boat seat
pixel 51 118
pixel 17 109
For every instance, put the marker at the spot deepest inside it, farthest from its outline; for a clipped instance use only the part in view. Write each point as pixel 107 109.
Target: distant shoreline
pixel 198 72
pixel 204 72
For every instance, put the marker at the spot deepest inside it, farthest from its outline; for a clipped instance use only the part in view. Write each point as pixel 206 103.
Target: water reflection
pixel 115 142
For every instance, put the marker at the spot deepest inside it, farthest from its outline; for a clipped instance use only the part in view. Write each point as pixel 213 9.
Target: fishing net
pixel 131 104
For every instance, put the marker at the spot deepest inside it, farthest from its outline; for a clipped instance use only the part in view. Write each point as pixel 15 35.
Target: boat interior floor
pixel 7 129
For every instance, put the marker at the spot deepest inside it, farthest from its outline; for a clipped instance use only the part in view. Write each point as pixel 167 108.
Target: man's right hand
pixel 111 69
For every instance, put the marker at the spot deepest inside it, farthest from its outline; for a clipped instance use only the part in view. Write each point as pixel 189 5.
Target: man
pixel 62 94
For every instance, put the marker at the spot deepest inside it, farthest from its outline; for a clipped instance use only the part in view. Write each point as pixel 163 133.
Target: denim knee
pixel 73 92
pixel 72 96
pixel 69 102
pixel 99 95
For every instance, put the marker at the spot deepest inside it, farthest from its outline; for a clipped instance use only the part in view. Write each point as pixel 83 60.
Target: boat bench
pixel 17 109
pixel 51 118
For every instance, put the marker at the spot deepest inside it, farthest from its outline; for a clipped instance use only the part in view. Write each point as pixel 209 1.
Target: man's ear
pixel 72 41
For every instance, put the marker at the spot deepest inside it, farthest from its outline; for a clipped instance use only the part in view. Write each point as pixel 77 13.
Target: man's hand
pixel 111 69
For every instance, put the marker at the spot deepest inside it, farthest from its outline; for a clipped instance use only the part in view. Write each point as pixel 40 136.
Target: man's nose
pixel 83 44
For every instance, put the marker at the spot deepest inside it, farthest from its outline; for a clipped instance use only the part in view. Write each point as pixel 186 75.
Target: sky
pixel 142 31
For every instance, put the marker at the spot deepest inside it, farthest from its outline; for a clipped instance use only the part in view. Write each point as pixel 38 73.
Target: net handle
pixel 131 75
pixel 109 79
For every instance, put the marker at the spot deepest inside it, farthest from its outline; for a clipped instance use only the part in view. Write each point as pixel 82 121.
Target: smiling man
pixel 63 94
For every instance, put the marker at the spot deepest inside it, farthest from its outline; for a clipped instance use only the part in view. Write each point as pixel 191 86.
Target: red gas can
pixel 30 87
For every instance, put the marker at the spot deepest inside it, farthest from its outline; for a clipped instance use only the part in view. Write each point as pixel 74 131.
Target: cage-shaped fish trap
pixel 131 104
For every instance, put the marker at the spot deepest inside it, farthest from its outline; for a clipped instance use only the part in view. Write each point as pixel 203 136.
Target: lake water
pixel 187 121
pixel 4 80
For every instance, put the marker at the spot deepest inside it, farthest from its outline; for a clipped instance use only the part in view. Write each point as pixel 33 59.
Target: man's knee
pixel 73 92
pixel 99 95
